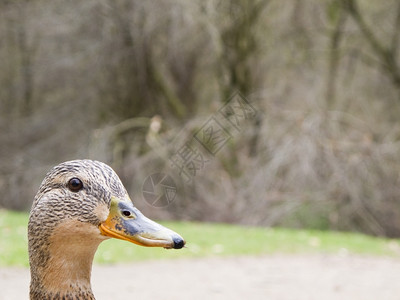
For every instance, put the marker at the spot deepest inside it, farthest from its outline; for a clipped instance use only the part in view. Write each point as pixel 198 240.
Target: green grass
pixel 13 238
pixel 206 240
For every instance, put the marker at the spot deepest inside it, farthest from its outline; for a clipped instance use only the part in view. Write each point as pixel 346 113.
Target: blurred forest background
pixel 85 79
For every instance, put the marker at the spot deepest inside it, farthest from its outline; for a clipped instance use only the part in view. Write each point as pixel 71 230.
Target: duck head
pixel 79 204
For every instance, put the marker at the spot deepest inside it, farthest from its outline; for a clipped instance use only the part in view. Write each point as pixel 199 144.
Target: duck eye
pixel 75 184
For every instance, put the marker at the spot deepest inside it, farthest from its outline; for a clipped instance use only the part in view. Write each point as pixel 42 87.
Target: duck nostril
pixel 178 242
pixel 126 213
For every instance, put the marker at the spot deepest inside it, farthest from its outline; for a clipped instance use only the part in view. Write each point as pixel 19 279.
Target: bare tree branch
pixel 396 33
pixel 387 55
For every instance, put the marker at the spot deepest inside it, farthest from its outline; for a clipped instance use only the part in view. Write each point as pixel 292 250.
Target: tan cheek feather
pixel 72 247
pixel 102 212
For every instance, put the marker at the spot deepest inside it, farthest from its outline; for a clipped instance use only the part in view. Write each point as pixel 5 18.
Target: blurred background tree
pixel 127 82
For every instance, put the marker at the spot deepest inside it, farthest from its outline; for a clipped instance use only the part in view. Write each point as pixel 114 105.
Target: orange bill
pixel 127 223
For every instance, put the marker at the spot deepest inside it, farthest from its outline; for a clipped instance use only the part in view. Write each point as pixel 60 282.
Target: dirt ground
pixel 285 277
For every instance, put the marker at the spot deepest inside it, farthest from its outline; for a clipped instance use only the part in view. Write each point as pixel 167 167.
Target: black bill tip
pixel 178 242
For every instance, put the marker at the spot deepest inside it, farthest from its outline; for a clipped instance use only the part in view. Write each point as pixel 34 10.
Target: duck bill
pixel 127 223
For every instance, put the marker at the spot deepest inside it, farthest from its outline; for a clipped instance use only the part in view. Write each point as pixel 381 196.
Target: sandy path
pixel 267 277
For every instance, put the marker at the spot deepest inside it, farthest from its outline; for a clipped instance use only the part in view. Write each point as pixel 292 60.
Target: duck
pixel 79 204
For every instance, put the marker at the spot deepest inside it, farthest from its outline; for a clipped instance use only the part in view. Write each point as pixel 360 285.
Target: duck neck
pixel 61 266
